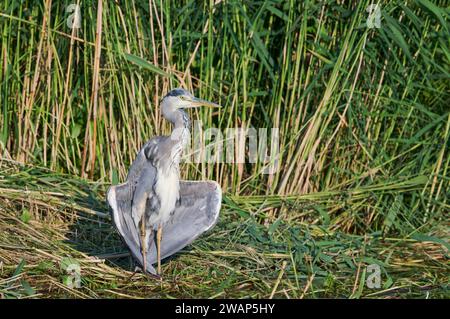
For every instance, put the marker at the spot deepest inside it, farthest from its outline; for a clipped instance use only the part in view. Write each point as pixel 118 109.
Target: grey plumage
pixel 197 212
pixel 153 194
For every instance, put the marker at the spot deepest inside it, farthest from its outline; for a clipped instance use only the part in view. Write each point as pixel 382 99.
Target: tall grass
pixel 363 113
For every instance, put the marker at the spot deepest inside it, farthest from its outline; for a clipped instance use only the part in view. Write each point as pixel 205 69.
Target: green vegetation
pixel 364 121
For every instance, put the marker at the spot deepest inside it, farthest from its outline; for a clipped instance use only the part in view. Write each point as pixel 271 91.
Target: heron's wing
pixel 197 212
pixel 129 201
pixel 142 178
pixel 120 202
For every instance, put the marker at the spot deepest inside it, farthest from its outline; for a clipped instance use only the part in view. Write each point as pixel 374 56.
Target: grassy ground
pixel 46 218
pixel 364 124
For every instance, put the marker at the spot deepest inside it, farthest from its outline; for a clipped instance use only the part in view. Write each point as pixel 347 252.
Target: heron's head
pixel 179 99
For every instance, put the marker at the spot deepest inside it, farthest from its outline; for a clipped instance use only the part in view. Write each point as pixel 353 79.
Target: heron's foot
pixel 153 276
pixel 149 275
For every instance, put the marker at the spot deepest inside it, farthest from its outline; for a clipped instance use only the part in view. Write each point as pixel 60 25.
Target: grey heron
pixel 153 198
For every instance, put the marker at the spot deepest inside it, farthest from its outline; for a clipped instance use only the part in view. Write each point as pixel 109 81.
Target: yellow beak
pixel 196 102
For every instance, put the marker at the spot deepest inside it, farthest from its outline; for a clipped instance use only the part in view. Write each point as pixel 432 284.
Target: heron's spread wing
pixel 197 212
pixel 129 201
pixel 120 199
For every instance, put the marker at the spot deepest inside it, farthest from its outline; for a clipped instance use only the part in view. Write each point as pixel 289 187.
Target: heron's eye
pixel 183 98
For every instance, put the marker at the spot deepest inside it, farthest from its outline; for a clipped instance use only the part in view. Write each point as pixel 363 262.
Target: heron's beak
pixel 196 102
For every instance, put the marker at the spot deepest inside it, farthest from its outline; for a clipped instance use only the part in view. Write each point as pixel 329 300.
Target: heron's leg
pixel 143 244
pixel 158 243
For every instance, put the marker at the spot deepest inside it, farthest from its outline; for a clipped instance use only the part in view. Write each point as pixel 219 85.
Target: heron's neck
pixel 181 124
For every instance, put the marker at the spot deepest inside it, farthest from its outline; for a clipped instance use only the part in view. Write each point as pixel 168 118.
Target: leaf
pixel 26 216
pixel 370 260
pixel 393 211
pixel 115 177
pixel 388 282
pixel 19 268
pixel 28 289
pixel 324 215
pixel 325 258
pixel 262 52
pixel 435 10
pixel 256 233
pixel 235 207
pixel 361 285
pixel 45 266
pixel 412 16
pixel 274 226
pixel 280 14
pixel 259 45
pixel 144 64
pixel 397 35
pixel 76 129
pixel 426 238
pixel 348 261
